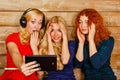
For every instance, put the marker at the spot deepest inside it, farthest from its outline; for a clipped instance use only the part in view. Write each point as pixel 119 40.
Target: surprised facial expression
pixel 34 24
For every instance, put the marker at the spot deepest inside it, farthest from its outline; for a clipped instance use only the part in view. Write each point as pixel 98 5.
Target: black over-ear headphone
pixel 23 21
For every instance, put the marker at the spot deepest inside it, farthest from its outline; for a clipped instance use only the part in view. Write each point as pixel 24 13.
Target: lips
pixel 56 38
pixel 35 30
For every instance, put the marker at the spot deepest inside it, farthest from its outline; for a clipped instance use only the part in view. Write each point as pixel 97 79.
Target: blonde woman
pixel 22 43
pixel 55 42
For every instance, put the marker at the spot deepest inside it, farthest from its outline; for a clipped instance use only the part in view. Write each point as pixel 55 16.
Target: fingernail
pixel 39 68
pixel 38 64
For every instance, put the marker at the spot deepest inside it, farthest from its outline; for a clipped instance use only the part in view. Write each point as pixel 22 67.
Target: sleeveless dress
pixel 24 49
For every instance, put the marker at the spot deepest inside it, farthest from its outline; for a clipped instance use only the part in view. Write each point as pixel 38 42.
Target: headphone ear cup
pixel 23 22
pixel 43 21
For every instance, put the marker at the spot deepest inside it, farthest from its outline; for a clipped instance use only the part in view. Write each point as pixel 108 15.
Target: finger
pixel 27 73
pixel 35 69
pixel 33 66
pixel 89 29
pixel 78 31
pixel 23 59
pixel 40 73
pixel 29 64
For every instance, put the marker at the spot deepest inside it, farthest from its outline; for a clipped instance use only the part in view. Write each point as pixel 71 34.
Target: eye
pixel 59 30
pixel 51 30
pixel 86 21
pixel 40 23
pixel 32 22
pixel 80 21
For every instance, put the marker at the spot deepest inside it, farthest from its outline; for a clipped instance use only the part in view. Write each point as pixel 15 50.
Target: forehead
pixel 55 25
pixel 83 17
pixel 37 16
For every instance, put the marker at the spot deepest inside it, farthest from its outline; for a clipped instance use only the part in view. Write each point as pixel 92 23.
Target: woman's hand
pixel 34 42
pixel 64 32
pixel 91 32
pixel 29 68
pixel 41 74
pixel 80 36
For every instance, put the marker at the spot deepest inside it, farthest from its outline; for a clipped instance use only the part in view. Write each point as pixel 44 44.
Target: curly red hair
pixel 102 32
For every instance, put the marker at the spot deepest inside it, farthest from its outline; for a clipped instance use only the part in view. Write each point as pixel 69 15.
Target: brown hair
pixel 102 32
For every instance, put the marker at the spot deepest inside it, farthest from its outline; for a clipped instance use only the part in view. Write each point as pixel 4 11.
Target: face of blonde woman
pixel 35 23
pixel 56 34
pixel 83 24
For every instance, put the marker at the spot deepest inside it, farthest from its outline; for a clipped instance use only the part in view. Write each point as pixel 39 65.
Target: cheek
pixel 29 29
pixel 39 27
pixel 51 34
pixel 61 35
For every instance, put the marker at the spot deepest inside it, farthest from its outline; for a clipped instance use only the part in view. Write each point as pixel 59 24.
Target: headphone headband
pixel 23 20
pixel 26 11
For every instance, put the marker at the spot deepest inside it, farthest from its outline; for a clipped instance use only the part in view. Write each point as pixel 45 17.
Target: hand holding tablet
pixel 47 62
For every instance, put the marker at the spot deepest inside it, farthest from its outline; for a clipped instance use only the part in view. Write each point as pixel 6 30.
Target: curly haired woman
pixel 94 46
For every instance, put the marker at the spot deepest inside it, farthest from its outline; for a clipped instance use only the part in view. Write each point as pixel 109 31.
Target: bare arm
pixel 65 55
pixel 15 54
pixel 28 68
pixel 65 52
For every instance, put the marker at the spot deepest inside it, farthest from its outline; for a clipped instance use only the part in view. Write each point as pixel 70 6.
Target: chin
pixel 84 32
pixel 56 41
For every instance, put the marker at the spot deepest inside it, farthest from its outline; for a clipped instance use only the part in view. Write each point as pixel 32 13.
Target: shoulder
pixel 12 37
pixel 12 34
pixel 109 40
pixel 72 42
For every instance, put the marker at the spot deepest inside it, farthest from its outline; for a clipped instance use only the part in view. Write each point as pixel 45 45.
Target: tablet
pixel 47 62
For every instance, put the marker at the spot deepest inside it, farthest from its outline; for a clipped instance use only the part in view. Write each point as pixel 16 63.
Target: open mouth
pixel 35 31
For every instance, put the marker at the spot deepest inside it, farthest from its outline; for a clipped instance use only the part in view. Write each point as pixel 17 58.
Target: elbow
pixel 65 62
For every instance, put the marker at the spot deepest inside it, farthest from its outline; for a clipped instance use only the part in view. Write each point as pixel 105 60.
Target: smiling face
pixel 56 34
pixel 35 23
pixel 83 24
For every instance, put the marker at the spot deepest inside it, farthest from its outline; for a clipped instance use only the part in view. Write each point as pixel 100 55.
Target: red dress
pixel 24 49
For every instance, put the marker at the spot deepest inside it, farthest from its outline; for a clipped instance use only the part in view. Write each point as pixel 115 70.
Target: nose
pixel 55 34
pixel 83 25
pixel 37 26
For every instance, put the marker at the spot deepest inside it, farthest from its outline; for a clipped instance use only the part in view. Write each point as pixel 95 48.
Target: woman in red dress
pixel 22 43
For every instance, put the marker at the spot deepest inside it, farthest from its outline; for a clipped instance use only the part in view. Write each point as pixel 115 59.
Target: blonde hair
pixel 24 34
pixel 57 46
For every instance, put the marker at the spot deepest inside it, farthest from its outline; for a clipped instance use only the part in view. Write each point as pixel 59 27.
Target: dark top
pixel 67 73
pixel 97 67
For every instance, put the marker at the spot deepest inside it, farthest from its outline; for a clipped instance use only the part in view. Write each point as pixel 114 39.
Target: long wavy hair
pixel 102 32
pixel 24 34
pixel 57 46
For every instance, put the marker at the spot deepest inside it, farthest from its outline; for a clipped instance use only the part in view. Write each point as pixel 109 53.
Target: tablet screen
pixel 47 62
